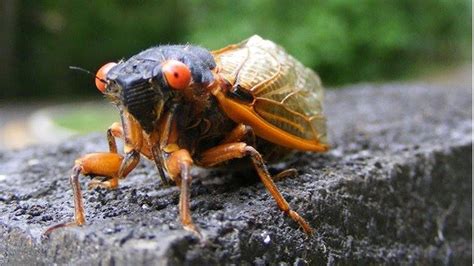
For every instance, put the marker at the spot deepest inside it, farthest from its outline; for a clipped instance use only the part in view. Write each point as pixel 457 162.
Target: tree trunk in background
pixel 8 24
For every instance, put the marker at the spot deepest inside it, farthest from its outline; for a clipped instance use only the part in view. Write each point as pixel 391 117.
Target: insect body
pixel 182 105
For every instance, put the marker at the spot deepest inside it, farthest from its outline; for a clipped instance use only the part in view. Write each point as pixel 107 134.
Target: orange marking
pixel 283 120
pixel 240 113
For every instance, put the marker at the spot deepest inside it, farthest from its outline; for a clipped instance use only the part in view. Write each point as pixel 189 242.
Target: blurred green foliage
pixel 84 119
pixel 343 40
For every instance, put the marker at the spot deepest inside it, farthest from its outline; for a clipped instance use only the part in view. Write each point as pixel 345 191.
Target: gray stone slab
pixel 395 188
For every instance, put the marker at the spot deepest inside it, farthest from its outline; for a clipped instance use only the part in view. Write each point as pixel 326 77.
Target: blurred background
pixel 345 41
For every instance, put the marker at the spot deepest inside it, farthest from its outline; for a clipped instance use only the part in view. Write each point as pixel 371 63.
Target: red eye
pixel 101 75
pixel 177 74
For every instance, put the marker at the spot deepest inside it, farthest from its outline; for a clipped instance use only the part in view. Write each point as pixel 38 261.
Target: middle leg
pixel 179 165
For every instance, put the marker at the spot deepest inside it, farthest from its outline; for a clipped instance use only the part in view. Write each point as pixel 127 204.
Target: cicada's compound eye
pixel 100 76
pixel 177 74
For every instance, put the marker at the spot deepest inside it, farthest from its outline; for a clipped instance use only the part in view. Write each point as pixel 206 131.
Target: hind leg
pixel 225 152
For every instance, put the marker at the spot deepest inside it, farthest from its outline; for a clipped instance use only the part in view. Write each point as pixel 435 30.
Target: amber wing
pixel 287 94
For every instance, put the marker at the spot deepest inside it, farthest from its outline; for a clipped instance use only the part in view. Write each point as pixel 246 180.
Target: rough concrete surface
pixel 395 188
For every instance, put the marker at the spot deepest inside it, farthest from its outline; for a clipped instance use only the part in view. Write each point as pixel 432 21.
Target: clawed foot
pixel 288 173
pixel 58 226
pixel 193 229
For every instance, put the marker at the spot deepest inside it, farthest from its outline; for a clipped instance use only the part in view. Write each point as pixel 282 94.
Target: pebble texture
pixel 395 188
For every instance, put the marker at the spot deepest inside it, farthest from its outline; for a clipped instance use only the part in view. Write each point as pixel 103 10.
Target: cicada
pixel 182 105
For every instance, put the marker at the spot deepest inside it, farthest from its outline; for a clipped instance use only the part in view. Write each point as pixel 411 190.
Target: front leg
pixel 105 164
pixel 131 132
pixel 164 142
pixel 111 165
pixel 114 131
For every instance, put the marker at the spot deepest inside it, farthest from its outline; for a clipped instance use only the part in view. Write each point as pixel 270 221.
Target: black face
pixel 139 85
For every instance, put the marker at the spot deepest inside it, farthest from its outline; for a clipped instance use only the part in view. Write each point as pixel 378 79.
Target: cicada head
pixel 145 84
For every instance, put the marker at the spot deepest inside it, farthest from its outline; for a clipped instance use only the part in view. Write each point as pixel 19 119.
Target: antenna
pixel 88 72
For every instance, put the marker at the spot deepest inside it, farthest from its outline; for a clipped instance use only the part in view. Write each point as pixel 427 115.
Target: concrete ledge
pixel 395 188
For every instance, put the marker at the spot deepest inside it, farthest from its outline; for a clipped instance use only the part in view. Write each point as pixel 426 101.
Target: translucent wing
pixel 286 94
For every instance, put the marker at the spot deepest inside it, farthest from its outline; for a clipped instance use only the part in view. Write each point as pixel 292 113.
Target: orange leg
pixel 105 164
pixel 133 142
pixel 164 142
pixel 111 165
pixel 131 132
pixel 239 133
pixel 179 165
pixel 114 131
pixel 225 152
